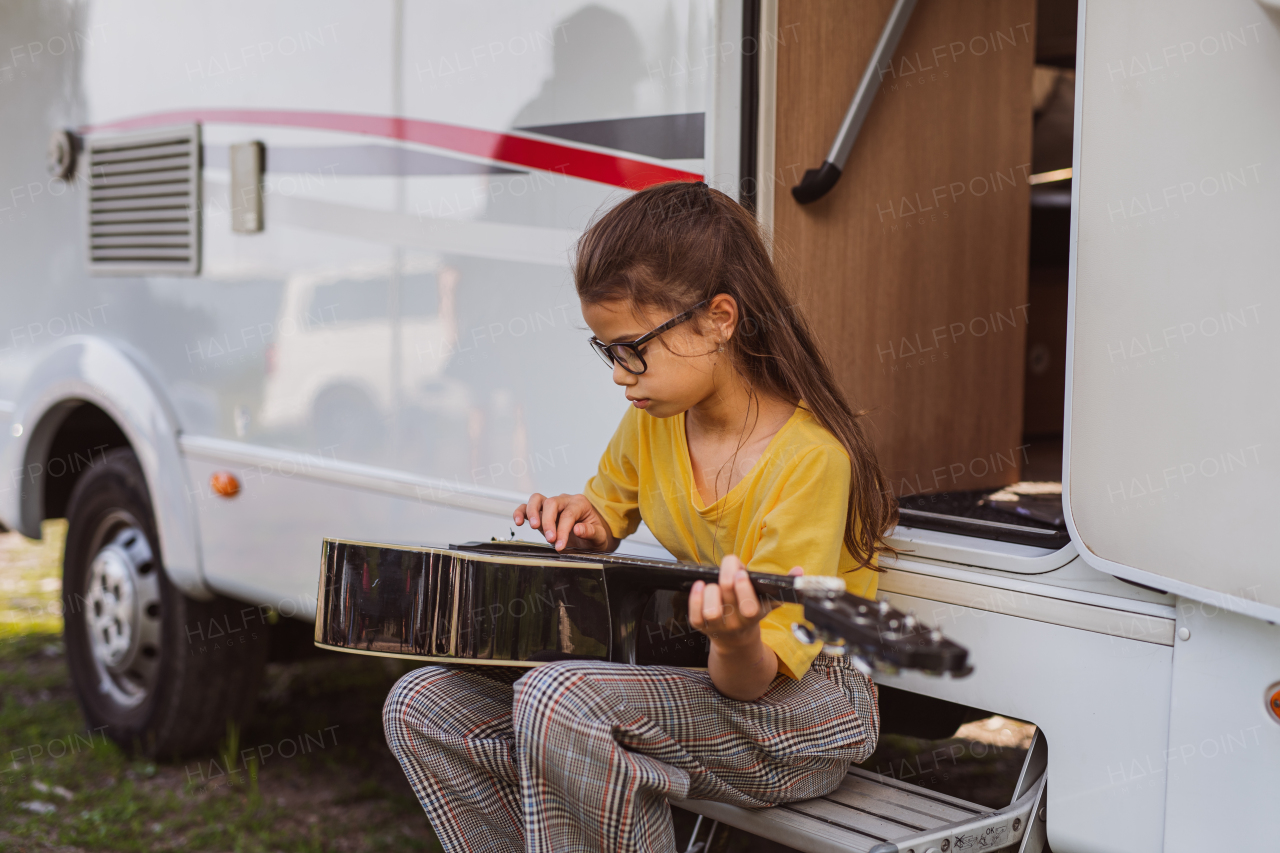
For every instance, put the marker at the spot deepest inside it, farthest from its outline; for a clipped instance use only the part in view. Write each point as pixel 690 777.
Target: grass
pixel 325 780
pixel 30 583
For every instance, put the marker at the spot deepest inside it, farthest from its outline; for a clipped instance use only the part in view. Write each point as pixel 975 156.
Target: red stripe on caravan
pixel 507 148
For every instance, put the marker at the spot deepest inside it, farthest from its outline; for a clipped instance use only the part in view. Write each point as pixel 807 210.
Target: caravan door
pixel 1174 416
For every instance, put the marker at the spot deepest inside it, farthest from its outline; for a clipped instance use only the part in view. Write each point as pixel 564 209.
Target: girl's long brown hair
pixel 674 245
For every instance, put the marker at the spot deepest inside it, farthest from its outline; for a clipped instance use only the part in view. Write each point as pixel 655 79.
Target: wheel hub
pixel 113 608
pixel 122 615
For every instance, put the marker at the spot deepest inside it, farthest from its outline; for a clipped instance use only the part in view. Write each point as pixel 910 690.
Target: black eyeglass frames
pixel 627 353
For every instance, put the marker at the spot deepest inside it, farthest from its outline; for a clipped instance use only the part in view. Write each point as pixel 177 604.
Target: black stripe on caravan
pixel 360 160
pixel 670 137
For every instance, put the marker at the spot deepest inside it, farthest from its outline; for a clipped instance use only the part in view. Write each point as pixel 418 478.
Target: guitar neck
pixel 641 573
pixel 764 582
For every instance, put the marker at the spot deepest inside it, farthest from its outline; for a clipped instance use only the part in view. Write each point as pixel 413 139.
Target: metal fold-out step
pixel 873 814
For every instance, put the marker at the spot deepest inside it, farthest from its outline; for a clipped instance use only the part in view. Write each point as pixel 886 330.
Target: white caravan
pixel 276 273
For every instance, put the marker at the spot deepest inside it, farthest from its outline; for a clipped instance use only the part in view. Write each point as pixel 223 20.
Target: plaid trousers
pixel 583 756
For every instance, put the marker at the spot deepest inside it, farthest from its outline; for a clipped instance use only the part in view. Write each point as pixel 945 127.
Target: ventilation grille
pixel 144 202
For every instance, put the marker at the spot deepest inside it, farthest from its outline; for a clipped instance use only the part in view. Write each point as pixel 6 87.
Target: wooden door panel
pixel 914 268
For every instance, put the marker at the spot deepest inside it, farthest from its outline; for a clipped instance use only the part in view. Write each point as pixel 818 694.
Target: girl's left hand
pixel 729 612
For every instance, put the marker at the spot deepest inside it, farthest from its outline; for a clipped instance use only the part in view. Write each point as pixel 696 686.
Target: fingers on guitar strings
pixel 550 509
pixel 563 528
pixel 696 595
pixel 712 604
pixel 745 596
pixel 533 509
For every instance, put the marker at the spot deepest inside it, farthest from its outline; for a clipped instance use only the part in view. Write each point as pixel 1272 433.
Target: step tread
pixel 864 811
pixel 922 801
pixel 868 823
pixel 796 830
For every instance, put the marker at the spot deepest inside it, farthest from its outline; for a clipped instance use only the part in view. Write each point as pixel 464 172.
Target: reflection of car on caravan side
pixel 348 342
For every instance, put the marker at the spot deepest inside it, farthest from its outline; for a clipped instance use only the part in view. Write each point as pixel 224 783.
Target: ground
pixel 326 781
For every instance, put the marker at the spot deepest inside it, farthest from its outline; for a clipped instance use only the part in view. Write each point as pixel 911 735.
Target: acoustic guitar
pixel 511 603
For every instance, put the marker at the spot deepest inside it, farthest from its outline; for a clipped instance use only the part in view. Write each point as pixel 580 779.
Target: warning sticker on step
pixel 989 839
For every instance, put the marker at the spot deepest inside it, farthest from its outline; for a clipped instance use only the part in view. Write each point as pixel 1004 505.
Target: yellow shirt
pixel 789 510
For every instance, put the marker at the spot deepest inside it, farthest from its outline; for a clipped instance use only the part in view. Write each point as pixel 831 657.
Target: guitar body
pixel 509 604
pixel 524 604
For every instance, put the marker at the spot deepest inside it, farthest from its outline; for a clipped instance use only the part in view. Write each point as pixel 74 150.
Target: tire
pixel 161 674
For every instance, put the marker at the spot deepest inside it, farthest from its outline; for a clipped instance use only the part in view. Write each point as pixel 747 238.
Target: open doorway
pixel 1030 511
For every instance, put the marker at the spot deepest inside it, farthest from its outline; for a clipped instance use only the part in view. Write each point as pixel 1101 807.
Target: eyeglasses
pixel 628 354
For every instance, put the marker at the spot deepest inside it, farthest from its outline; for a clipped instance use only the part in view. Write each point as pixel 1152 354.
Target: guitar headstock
pixel 873 633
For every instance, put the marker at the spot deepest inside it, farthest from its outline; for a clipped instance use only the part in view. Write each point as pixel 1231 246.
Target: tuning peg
pixel 884 608
pixel 909 622
pixel 935 636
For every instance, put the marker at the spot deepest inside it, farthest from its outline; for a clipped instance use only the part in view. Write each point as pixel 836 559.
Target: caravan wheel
pixel 134 664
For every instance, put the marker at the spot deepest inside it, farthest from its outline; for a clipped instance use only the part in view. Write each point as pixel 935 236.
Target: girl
pixel 738 449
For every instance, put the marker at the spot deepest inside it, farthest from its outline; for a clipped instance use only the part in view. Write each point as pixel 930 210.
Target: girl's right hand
pixel 567 521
